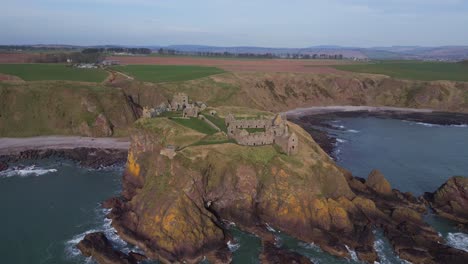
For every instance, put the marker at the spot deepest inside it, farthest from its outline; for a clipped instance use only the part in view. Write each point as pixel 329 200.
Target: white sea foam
pixel 427 124
pixel 25 171
pixel 352 131
pixel 458 240
pixel 339 140
pixel 460 126
pixel 271 229
pixel 310 246
pixel 379 246
pixel 72 252
pixel 338 126
pixel 233 246
pixel 352 253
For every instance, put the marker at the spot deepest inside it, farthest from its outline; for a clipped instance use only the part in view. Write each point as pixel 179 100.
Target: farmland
pixel 413 70
pixel 239 65
pixel 167 73
pixel 56 72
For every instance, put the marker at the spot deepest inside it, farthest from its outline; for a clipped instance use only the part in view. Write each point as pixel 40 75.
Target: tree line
pixel 135 51
pixel 163 51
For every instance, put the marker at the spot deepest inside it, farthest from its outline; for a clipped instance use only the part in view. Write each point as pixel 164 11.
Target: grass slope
pixel 59 108
pixel 415 70
pixel 167 73
pixel 57 72
pixel 196 124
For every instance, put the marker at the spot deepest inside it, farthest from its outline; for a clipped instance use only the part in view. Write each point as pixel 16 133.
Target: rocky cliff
pixel 177 209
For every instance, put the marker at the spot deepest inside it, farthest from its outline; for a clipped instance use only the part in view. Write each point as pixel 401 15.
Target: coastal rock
pixel 274 255
pixel 97 246
pixel 378 183
pixel 3 166
pixel 87 157
pixel 451 200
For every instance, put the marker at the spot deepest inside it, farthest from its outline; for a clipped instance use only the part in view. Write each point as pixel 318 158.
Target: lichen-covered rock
pixel 376 181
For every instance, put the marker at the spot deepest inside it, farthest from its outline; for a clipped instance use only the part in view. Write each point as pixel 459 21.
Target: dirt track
pixel 250 65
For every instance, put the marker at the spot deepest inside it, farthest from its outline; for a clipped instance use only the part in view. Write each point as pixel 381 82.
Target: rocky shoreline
pixel 87 157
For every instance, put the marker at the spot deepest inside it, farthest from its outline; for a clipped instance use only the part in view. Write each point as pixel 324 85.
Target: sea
pixel 48 206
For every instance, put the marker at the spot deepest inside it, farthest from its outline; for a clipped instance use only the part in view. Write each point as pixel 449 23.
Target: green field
pixel 414 70
pixel 196 124
pixel 55 72
pixel 167 73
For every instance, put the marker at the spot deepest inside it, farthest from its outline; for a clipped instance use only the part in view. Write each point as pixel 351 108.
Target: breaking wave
pixel 25 171
pixel 352 131
pixel 233 247
pixel 105 226
pixel 458 240
pixel 352 253
pixel 339 140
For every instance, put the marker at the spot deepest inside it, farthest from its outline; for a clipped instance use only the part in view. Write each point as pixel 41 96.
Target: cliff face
pixel 285 91
pixel 177 210
pixel 66 108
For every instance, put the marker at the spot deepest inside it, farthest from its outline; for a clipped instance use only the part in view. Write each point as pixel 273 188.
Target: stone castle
pixel 275 131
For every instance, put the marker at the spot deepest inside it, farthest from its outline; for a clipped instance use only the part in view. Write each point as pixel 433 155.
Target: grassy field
pixel 414 70
pixel 167 73
pixel 57 72
pixel 196 124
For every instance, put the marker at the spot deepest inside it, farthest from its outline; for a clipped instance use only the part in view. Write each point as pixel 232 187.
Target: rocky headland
pixel 176 210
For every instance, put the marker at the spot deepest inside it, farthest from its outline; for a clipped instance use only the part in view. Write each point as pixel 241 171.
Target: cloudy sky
pixel 272 23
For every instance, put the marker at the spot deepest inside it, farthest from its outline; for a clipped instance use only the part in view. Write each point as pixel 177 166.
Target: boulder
pixel 97 246
pixel 376 181
pixel 274 255
pixel 451 199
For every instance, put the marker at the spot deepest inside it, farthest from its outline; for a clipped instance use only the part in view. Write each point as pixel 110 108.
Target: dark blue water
pixel 47 208
pixel 414 157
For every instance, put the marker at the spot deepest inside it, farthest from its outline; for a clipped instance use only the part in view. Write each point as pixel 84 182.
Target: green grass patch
pixel 167 73
pixel 219 122
pixel 196 124
pixel 255 130
pixel 55 72
pixel 171 114
pixel 414 70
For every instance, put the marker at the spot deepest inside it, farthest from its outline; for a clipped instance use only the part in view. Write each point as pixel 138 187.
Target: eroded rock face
pixel 451 200
pixel 97 246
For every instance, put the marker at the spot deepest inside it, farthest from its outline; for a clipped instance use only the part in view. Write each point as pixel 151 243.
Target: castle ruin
pixel 276 131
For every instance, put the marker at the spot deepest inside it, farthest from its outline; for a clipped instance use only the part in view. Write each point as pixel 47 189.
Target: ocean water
pixel 48 206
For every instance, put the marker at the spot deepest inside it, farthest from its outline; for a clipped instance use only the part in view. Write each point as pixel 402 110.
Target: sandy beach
pixel 15 145
pixel 349 108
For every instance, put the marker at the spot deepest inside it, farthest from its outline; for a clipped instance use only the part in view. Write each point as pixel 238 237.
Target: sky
pixel 267 23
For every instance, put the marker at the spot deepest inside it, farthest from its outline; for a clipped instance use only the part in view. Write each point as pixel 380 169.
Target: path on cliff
pixel 16 145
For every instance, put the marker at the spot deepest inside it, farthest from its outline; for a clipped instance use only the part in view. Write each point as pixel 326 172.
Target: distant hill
pixel 445 53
